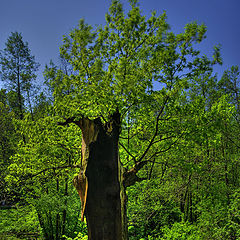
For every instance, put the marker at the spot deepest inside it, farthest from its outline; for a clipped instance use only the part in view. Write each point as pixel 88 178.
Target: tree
pixel 18 69
pixel 127 74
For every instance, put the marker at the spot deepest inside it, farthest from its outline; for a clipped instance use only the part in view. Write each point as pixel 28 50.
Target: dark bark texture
pixel 98 182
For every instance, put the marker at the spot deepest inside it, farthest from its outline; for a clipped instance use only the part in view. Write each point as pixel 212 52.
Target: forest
pixel 133 135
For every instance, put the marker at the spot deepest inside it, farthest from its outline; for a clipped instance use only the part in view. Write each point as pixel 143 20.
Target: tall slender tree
pixel 18 69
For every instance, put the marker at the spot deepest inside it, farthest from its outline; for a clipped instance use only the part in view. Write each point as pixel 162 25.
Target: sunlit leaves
pixel 47 147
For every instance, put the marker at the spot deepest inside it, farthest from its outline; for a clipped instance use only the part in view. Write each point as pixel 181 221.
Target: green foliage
pixel 79 236
pixel 181 231
pixel 8 145
pixel 42 167
pixel 232 228
pixel 17 221
pixel 194 180
pixel 148 201
pixel 116 66
pixel 7 133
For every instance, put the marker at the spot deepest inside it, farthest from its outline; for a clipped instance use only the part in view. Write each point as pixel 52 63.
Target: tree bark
pixel 100 181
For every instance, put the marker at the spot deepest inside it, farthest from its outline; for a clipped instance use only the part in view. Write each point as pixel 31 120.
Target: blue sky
pixel 44 22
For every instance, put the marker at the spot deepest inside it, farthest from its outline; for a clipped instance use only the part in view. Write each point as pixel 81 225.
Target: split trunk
pixel 100 181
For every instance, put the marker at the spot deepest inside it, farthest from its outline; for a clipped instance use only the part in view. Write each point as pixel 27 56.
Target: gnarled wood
pixel 81 184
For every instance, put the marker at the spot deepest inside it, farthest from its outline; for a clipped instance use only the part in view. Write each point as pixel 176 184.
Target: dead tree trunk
pixel 99 183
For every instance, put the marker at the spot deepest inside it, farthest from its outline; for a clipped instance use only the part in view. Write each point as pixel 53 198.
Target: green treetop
pixel 124 63
pixel 18 68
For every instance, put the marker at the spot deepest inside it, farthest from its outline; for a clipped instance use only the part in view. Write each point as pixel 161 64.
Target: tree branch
pixel 71 120
pixel 130 177
pixel 134 158
pixel 156 130
pixel 168 148
pixel 52 168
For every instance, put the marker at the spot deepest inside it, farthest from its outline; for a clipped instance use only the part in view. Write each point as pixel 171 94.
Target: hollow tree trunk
pixel 99 182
